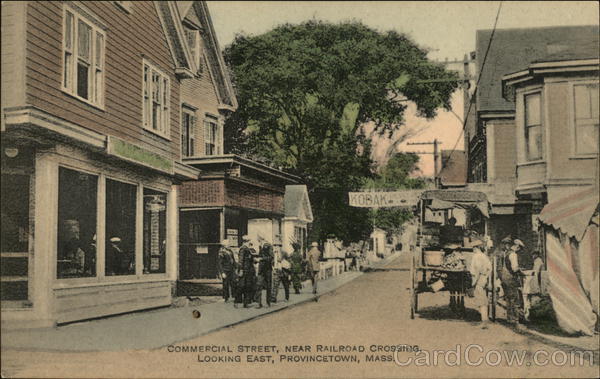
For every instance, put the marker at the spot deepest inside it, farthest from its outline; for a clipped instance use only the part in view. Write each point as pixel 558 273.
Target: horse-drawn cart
pixel 449 221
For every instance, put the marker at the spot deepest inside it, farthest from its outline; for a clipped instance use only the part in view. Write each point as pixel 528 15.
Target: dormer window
pixel 192 35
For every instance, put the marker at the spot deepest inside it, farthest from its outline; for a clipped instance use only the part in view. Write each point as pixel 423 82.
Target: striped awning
pixel 571 214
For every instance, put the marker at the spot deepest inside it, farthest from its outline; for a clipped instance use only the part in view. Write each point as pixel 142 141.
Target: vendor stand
pixel 431 269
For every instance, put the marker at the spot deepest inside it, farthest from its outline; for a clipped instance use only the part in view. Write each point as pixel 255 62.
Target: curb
pixel 268 312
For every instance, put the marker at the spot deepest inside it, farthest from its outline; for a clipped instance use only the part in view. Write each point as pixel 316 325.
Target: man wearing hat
pixel 313 266
pixel 265 273
pixel 480 269
pixel 248 272
pixel 226 269
pixel 510 275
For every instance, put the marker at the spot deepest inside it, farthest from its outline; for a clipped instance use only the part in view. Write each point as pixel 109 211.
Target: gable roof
pixel 297 203
pixel 169 19
pixel 454 171
pixel 514 49
pixel 197 11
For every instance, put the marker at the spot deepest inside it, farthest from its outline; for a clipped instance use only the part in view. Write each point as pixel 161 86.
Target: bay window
pixel 533 127
pixel 83 58
pixel 586 118
pixel 155 102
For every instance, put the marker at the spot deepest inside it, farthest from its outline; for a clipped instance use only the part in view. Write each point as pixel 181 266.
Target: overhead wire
pixel 479 75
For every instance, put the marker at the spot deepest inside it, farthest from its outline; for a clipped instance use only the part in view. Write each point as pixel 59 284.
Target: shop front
pixel 233 197
pixel 87 231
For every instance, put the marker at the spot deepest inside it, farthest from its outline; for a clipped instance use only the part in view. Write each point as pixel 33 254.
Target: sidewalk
pixel 155 328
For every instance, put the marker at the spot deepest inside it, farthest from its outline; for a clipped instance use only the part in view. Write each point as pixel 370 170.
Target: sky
pixel 446 29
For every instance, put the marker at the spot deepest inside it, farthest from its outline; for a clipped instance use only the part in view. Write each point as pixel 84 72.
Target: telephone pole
pixel 435 153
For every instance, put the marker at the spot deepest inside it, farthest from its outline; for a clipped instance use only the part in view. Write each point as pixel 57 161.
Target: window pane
pixel 76 224
pixel 99 49
pixel 120 227
pixel 83 70
pixel 84 40
pixel 534 143
pixel 155 231
pixel 69 31
pixel 532 109
pixel 15 213
pixel 594 100
pixel 67 69
pixel 587 139
pixel 98 86
pixel 582 102
pixel 184 134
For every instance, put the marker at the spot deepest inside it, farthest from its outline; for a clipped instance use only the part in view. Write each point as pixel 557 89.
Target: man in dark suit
pixel 226 269
pixel 248 273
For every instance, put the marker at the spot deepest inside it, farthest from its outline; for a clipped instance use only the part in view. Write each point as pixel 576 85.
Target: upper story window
pixel 156 99
pixel 586 118
pixel 212 136
pixel 533 127
pixel 188 132
pixel 192 36
pixel 83 58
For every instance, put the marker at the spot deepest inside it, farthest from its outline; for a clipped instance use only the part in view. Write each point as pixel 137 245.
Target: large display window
pixel 120 228
pixel 77 198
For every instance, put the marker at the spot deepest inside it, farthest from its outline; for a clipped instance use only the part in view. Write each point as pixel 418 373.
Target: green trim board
pixel 135 154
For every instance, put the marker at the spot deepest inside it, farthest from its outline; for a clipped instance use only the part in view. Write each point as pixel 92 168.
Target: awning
pixel 437 204
pixel 571 214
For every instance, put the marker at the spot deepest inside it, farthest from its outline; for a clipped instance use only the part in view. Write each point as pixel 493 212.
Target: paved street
pixel 370 310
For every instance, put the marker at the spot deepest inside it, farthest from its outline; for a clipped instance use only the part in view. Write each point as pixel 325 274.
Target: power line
pixel 487 50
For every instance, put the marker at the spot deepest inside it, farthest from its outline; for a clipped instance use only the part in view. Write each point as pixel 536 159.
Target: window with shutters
pixel 156 100
pixel 585 98
pixel 83 58
pixel 188 132
pixel 212 136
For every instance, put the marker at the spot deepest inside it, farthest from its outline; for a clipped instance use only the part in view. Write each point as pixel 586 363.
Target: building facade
pixel 91 157
pixel 491 133
pixel 556 124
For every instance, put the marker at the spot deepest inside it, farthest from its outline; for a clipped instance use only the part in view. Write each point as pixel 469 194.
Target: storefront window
pixel 15 213
pixel 155 231
pixel 120 228
pixel 76 224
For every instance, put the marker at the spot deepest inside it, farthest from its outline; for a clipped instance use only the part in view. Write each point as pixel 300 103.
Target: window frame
pixel 573 119
pixel 210 119
pixel 196 51
pixel 164 95
pixel 526 154
pixel 188 134
pixel 69 80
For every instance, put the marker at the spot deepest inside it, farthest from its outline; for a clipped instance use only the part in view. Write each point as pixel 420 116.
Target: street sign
pixel 407 199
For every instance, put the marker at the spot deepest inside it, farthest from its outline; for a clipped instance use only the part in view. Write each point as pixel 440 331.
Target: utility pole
pixel 435 153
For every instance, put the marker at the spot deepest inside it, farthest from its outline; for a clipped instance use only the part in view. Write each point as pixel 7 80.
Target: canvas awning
pixel 457 199
pixel 571 214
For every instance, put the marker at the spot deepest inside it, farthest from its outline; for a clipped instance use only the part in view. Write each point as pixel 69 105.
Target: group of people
pixel 250 272
pixel 509 271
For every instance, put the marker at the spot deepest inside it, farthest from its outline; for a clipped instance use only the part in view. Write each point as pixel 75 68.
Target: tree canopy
pixel 306 90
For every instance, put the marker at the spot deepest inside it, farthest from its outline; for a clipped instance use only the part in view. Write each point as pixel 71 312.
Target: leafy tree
pixel 306 90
